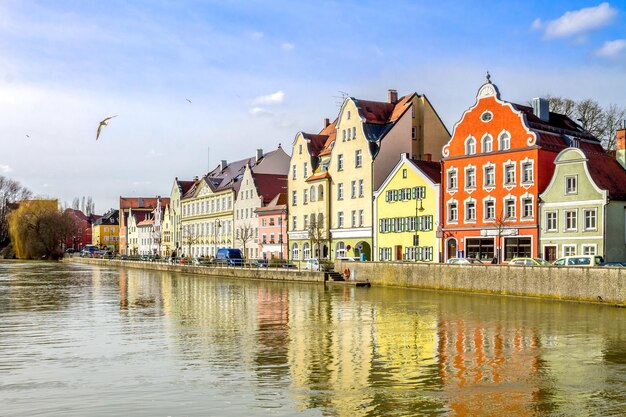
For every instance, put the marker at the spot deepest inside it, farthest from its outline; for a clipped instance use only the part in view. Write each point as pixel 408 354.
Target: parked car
pixel 464 261
pixel 260 263
pixel 529 262
pixel 613 264
pixel 123 257
pixel 581 260
pixel 229 256
pixel 288 265
pixel 312 264
pixel 349 258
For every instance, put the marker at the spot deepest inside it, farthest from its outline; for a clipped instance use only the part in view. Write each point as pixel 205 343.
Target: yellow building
pixel 350 159
pixel 406 208
pixel 105 231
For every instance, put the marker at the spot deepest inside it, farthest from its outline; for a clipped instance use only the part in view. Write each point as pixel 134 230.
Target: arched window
pixel 487 144
pixel 306 251
pixel 295 252
pixel 313 194
pixel 470 146
pixel 320 192
pixel 340 250
pixel 505 141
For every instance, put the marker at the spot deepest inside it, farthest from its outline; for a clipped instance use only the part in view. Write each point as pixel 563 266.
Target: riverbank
pixel 591 285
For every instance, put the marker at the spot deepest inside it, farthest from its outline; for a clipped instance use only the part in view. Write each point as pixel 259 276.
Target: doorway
pixel 451 248
pixel 549 253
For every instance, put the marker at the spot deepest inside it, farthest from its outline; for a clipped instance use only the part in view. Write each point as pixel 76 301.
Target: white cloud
pixel 577 22
pixel 612 48
pixel 287 46
pixel 273 98
pixel 5 169
pixel 260 111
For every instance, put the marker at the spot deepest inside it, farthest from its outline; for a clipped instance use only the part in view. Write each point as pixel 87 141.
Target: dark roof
pixel 142 202
pixel 607 173
pixel 184 186
pixel 111 217
pixel 269 185
pixel 431 169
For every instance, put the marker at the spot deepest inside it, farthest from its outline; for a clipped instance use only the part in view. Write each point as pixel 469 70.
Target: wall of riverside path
pixel 273 274
pixel 606 285
pixel 596 284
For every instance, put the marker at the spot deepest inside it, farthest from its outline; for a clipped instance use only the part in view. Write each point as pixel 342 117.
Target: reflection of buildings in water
pixel 272 333
pixel 487 369
pixel 123 289
pixel 143 291
pixel 331 353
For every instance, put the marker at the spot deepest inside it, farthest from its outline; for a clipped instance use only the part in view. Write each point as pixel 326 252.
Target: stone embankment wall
pixel 597 284
pixel 274 274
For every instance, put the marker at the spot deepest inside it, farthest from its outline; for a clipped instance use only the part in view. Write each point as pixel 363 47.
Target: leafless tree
pixel 245 234
pixel 317 233
pixel 190 237
pixel 501 223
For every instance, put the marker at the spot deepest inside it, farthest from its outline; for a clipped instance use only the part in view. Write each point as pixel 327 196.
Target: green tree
pixel 37 228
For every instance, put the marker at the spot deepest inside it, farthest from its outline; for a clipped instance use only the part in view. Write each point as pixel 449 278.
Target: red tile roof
pixel 142 203
pixel 279 202
pixel 146 222
pixel 269 185
pixel 607 173
pixel 318 176
pixel 431 169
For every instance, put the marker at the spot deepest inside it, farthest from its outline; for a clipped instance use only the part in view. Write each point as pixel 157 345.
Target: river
pixel 83 340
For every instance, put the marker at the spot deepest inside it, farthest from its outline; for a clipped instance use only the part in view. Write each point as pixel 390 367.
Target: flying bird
pixel 28 136
pixel 188 100
pixel 102 124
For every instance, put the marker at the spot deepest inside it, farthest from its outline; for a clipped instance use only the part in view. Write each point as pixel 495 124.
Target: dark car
pixel 289 266
pixel 614 264
pixel 123 257
pixel 229 256
pixel 260 263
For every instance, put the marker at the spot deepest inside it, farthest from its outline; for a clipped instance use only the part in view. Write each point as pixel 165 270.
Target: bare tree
pixel 602 122
pixel 11 191
pixel 76 203
pixel 190 237
pixel 317 233
pixel 501 223
pixel 245 234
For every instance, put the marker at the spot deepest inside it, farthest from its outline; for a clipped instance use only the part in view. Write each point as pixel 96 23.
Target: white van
pixel 580 260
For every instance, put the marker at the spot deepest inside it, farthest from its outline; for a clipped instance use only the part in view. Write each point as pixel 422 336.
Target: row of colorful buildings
pixel 387 181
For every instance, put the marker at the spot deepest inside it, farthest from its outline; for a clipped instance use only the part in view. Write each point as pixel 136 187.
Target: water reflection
pixel 246 346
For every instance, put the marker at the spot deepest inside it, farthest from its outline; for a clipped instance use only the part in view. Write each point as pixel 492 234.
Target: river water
pixel 81 340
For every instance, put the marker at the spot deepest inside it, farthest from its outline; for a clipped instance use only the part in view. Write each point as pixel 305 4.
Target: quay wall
pixel 597 284
pixel 589 284
pixel 273 274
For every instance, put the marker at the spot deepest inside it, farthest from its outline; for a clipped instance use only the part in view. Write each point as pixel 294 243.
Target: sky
pixel 195 82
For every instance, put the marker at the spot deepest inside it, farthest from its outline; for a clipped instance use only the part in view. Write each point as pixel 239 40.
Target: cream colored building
pixel 350 159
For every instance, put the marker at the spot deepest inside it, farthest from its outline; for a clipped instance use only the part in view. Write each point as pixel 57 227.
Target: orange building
pixel 499 159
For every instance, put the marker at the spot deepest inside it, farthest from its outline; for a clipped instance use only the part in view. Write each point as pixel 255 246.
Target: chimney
pixel 620 146
pixel 223 165
pixel 326 122
pixel 259 154
pixel 392 96
pixel 541 108
pixel 428 157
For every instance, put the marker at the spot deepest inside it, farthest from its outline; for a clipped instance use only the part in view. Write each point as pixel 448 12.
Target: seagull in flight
pixel 28 136
pixel 188 100
pixel 102 124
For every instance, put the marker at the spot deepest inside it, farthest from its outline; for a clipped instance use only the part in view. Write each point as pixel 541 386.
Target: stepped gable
pixel 269 185
pixel 431 169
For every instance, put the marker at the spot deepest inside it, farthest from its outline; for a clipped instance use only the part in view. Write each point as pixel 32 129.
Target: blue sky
pixel 258 72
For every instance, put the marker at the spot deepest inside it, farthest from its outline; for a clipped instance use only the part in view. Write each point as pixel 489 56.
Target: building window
pixel 384 254
pixel 517 247
pixel 453 212
pixel 470 178
pixel 571 220
pixel 353 218
pixel 358 158
pixel 312 194
pixel 305 222
pixel 295 252
pixel 479 248
pixel 527 208
pixel 509 174
pixel 571 184
pixel 490 210
pixel 452 179
pixel 340 219
pixel 306 170
pixel 294 198
pixel 305 196
pixel 569 250
pixel 551 221
pixel 320 192
pixel 527 173
pixel 300 149
pixel 505 141
pixel 294 223
pixel 509 207
pixel 340 191
pixel 340 162
pixel 343 132
pixel 293 172
pixel 470 146
pixel 490 176
pixel 487 144
pixel 588 249
pixel 353 189
pixel 361 191
pixel 590 219
pixel 353 132
pixel 361 218
pixel 404 173
pixel 470 211
pixel 413 133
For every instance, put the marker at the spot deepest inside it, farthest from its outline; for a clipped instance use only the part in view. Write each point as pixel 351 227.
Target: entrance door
pixel 451 249
pixel 549 253
pixel 398 252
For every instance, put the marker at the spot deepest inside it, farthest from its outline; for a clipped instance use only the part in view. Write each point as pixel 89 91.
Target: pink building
pixel 273 228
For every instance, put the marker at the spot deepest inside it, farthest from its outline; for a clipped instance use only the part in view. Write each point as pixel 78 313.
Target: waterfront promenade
pixel 590 285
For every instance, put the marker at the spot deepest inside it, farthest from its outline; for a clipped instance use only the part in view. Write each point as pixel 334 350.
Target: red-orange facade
pixel 499 159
